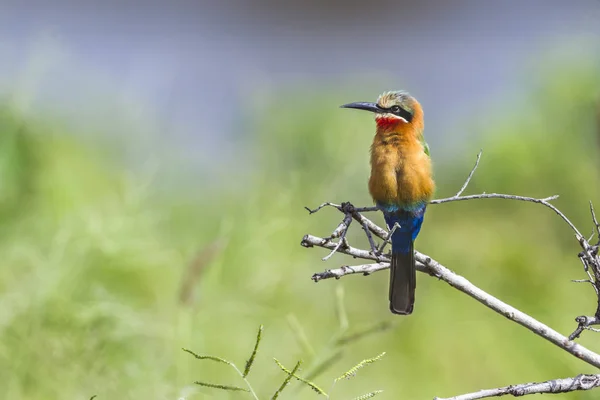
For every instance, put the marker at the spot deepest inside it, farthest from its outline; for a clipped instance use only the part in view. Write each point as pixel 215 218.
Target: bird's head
pixel 392 108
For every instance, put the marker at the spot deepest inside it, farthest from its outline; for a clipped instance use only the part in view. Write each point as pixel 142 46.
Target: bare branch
pixel 388 239
pixel 580 382
pixel 366 209
pixel 337 273
pixel 342 228
pixel 584 322
pixel 322 206
pixel 311 241
pixel 340 206
pixel 348 208
pixel 544 201
pixel 340 232
pixel 581 281
pixel 464 186
pixel 337 247
pixel 434 268
pixel 369 238
pixel 591 265
pixel 594 219
pixel 493 196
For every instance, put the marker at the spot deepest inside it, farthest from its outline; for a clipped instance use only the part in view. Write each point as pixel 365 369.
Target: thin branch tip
pixel 564 385
pixel 464 186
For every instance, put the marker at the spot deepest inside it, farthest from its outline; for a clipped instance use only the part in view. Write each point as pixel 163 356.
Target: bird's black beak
pixel 373 107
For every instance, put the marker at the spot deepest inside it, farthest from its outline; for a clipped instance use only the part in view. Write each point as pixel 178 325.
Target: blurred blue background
pixel 197 64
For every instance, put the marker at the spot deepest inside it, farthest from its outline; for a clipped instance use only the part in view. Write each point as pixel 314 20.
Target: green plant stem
pixel 245 380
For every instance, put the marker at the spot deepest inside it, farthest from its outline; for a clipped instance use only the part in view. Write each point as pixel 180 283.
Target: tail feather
pixel 403 281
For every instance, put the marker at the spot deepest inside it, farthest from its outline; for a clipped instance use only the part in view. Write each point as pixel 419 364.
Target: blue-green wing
pixel 425 147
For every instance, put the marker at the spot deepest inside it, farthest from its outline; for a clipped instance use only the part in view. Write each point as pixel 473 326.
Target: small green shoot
pixel 224 387
pixel 287 380
pixel 340 308
pixel 253 355
pixel 352 371
pixel 312 385
pixel 300 334
pixel 352 337
pixel 212 358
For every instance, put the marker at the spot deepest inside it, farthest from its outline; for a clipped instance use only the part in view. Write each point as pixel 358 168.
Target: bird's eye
pixel 395 109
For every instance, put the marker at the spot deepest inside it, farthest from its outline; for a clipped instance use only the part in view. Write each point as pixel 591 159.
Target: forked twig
pixel 388 239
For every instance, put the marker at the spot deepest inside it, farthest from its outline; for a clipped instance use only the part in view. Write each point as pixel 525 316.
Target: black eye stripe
pixel 401 112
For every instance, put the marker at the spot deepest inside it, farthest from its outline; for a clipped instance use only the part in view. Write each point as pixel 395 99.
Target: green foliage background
pixel 93 257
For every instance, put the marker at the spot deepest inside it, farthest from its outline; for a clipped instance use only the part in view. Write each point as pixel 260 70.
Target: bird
pixel 401 185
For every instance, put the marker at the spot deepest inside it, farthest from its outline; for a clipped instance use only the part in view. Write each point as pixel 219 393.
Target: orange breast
pixel 400 170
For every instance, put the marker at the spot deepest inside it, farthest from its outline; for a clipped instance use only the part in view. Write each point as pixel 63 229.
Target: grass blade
pixel 340 308
pixel 300 334
pixel 312 385
pixel 287 380
pixel 253 355
pixel 323 366
pixel 223 387
pixel 368 331
pixel 212 358
pixel 352 371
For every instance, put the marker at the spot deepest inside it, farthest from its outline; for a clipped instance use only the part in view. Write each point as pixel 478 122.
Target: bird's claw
pixel 378 254
pixel 347 207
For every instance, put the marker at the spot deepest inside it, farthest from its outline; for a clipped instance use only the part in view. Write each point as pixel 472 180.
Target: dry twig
pixel 580 382
pixel 591 265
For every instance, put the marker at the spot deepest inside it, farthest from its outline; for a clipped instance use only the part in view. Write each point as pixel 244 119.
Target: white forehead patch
pixel 388 99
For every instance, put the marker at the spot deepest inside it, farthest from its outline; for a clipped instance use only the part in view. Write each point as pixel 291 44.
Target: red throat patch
pixel 387 122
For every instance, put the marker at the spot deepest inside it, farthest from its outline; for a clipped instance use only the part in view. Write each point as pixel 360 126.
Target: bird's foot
pixel 347 207
pixel 379 255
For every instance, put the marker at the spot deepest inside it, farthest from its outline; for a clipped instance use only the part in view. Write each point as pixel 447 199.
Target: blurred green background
pixel 109 270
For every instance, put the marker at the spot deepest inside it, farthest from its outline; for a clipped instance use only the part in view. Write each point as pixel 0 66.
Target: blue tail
pixel 402 269
pixel 410 226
